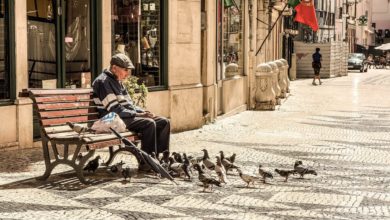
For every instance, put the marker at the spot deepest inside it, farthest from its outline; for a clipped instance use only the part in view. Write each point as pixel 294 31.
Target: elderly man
pixel 111 96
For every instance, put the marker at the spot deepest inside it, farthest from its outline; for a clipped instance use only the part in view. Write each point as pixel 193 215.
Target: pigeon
pixel 195 160
pixel 226 163
pixel 220 170
pixel 79 129
pixel 206 180
pixel 186 166
pixel 117 168
pixel 206 160
pixel 176 167
pixel 93 164
pixel 302 170
pixel 165 157
pixel 126 173
pixel 285 173
pixel 247 178
pixel 264 173
pixel 231 158
pixel 177 157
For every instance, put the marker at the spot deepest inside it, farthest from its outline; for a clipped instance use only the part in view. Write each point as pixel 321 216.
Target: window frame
pixel 9 25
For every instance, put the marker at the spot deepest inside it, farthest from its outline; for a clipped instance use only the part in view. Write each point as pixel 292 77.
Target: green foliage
pixel 138 93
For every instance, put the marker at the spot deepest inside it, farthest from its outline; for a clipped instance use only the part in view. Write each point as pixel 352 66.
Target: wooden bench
pixel 55 107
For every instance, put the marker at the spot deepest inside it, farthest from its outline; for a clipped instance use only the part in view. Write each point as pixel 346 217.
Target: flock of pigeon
pixel 182 165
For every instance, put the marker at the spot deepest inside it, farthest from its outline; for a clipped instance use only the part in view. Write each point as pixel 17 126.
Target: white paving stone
pixel 243 216
pixel 378 211
pixel 136 205
pixel 317 198
pixel 195 203
pixel 153 191
pixel 236 200
pixel 98 193
pixel 37 196
pixel 306 214
pixel 87 214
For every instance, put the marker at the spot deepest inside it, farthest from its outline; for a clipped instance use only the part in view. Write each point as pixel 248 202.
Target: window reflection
pixel 136 33
pixel 41 44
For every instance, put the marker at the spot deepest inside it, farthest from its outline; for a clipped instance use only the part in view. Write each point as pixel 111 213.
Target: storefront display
pixel 229 35
pixel 136 33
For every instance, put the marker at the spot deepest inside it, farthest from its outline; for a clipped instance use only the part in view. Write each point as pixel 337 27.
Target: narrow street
pixel 341 129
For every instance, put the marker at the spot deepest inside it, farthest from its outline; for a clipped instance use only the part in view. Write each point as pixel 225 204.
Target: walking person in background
pixel 317 58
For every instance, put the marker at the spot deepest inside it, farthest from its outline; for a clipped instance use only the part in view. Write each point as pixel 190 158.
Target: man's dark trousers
pixel 155 132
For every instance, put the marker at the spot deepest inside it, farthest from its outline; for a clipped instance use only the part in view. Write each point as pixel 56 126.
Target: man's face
pixel 121 73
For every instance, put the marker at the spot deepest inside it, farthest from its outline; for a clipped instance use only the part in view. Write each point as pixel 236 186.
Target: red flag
pixel 306 14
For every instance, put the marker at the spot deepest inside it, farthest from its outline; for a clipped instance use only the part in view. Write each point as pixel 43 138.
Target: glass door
pixel 76 43
pixel 59 43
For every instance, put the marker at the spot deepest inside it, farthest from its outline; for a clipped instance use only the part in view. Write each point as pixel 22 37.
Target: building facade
pixel 197 57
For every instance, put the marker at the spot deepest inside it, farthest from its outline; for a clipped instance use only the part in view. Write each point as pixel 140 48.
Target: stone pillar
pixel 265 94
pixel 282 79
pixel 285 64
pixel 231 70
pixel 293 69
pixel 275 80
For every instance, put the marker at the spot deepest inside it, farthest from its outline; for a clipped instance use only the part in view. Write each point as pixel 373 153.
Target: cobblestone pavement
pixel 340 128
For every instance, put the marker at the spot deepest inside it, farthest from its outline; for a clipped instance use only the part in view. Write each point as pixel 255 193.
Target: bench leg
pixel 79 168
pixel 46 156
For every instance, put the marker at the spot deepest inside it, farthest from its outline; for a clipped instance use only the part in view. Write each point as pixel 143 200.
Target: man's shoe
pixel 314 84
pixel 320 83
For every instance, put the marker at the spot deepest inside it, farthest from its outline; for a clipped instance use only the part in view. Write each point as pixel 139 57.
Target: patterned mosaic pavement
pixel 341 129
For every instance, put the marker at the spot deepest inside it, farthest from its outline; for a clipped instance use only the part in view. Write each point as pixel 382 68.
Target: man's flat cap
pixel 121 60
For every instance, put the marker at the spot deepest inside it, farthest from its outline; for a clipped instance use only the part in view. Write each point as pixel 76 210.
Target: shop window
pixel 4 68
pixel 137 33
pixel 230 36
pixel 41 41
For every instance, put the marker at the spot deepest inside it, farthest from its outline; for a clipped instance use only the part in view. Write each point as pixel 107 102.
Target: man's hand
pixel 146 114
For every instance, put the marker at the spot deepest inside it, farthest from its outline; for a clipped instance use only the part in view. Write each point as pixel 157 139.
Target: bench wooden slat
pixel 43 92
pixel 63 98
pixel 67 113
pixel 61 106
pixel 60 128
pixel 59 121
pixel 103 144
pixel 105 137
pixel 87 137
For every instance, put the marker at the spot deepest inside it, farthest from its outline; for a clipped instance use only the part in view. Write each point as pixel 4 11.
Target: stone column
pixel 282 79
pixel 275 80
pixel 265 94
pixel 285 64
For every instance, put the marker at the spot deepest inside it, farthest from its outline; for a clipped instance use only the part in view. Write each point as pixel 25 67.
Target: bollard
pixel 286 66
pixel 275 80
pixel 231 70
pixel 282 79
pixel 265 94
